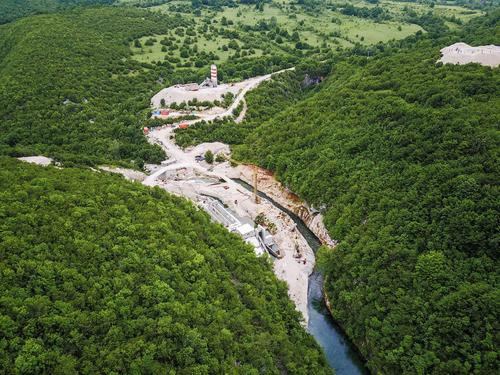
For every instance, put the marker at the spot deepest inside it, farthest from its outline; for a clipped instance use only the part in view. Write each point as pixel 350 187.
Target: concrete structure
pixel 462 53
pixel 220 214
pixel 246 230
pixel 244 227
pixel 212 81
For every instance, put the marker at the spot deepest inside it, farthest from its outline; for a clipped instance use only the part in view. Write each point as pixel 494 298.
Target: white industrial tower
pixel 213 75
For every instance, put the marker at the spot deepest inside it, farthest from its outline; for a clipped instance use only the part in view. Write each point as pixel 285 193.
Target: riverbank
pixel 197 180
pixel 267 184
pixel 341 353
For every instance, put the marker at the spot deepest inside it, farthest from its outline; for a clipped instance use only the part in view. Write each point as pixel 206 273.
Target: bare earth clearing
pixel 129 174
pixel 179 94
pixel 462 53
pixel 40 160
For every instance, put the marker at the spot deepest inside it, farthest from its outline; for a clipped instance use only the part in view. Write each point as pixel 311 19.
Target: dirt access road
pixel 162 136
pixel 183 175
pixel 248 85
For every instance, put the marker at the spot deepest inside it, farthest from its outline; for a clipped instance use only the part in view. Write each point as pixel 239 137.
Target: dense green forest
pixel 402 154
pixel 68 91
pixel 99 275
pixel 13 9
pixel 399 152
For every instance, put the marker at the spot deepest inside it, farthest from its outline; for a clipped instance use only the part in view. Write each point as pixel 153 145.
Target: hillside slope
pixel 14 9
pixel 69 91
pixel 100 275
pixel 403 154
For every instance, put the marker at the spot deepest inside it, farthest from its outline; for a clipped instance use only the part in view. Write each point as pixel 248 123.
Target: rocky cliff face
pixel 274 189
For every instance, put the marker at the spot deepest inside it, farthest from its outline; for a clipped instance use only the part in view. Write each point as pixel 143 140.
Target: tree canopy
pixel 14 9
pixel 100 275
pixel 69 88
pixel 401 153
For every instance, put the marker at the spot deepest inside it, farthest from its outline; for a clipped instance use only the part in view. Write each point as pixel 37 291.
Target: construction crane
pixel 255 179
pixel 255 182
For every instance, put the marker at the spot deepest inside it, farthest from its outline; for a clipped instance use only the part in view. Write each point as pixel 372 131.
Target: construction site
pixel 209 91
pixel 213 189
pixel 229 192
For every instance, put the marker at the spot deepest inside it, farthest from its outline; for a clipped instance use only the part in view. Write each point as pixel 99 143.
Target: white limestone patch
pixel 185 93
pixel 40 160
pixel 462 53
pixel 129 174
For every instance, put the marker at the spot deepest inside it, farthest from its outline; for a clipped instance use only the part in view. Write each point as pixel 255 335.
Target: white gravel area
pixel 129 174
pixel 180 93
pixel 462 53
pixel 40 160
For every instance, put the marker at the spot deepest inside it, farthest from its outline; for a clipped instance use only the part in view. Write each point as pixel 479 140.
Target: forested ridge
pixel 67 89
pixel 14 9
pixel 99 275
pixel 402 155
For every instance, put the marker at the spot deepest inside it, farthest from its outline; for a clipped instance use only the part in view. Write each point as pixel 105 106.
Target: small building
pixel 164 112
pixel 245 231
pixel 145 130
pixel 183 126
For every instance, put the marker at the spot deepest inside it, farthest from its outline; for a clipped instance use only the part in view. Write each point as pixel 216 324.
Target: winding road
pixel 251 84
pixel 162 137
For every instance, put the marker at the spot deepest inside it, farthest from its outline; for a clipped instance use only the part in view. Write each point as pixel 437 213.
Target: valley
pixel 254 187
pixel 205 184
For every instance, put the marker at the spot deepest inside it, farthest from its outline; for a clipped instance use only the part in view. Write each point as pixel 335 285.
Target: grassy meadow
pixel 323 26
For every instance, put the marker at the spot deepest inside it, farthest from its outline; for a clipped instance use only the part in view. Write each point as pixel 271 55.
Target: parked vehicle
pixel 267 241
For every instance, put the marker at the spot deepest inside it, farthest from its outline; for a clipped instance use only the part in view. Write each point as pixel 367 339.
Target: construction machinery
pixel 255 183
pixel 255 179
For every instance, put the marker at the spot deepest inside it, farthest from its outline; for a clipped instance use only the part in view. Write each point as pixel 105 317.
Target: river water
pixel 340 353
